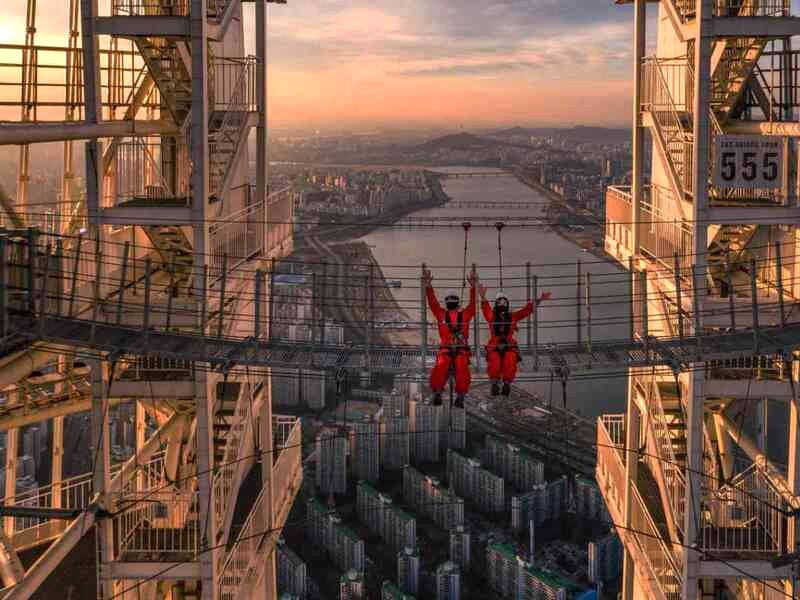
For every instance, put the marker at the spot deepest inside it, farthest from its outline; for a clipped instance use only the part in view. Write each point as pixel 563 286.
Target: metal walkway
pixel 226 351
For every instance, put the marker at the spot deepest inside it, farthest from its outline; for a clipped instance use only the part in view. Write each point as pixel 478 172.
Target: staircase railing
pixel 236 441
pixel 240 569
pixel 748 516
pixel 151 8
pixel 671 471
pixel 662 80
pixel 687 9
pixel 659 558
pixel 610 470
pixel 226 139
pixel 254 231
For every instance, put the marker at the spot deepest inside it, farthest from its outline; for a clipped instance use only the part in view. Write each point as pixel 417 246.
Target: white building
pixel 448 581
pixel 331 476
pixel 408 570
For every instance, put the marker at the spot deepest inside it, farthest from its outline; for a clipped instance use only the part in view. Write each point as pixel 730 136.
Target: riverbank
pixel 345 232
pixel 563 220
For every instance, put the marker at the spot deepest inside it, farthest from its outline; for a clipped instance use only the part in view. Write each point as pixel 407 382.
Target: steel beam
pixel 56 132
pixel 143 25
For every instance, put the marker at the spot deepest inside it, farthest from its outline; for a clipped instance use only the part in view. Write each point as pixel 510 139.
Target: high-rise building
pixel 366 449
pixel 448 581
pixel 588 500
pixel 425 424
pixel 292 574
pixel 706 227
pixel 605 559
pixel 513 578
pixel 395 442
pixel 544 502
pixel 513 463
pixel 332 460
pixel 396 526
pixel 460 547
pixel 454 427
pixel 390 591
pixel 470 480
pixel 351 586
pixel 429 497
pixel 408 570
pixel 325 528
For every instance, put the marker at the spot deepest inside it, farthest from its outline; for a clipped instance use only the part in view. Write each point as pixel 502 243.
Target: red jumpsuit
pixel 503 365
pixel 451 349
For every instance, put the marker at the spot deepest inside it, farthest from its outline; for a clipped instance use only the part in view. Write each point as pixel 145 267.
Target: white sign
pixel 748 161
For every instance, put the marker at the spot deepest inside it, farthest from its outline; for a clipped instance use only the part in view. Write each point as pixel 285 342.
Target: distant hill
pixel 580 133
pixel 455 141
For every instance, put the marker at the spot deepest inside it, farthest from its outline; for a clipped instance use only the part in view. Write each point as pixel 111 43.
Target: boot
pixel 495 388
pixel 437 399
pixel 459 403
pixel 506 389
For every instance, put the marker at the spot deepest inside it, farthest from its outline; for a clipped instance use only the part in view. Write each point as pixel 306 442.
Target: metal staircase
pixel 228 129
pixel 167 69
pixel 732 74
pixel 175 250
pixel 725 253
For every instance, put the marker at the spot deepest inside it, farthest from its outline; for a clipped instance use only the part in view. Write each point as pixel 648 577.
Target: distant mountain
pixel 580 133
pixel 455 141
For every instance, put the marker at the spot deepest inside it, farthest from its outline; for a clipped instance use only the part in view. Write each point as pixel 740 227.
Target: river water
pixel 401 251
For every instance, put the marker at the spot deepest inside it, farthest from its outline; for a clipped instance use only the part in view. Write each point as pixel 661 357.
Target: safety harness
pixel 456 332
pixel 501 330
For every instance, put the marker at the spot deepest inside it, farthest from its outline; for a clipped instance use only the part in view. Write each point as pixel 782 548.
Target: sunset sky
pixel 361 63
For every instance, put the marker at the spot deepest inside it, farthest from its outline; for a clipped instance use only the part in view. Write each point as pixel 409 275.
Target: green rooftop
pixel 505 550
pixel 396 593
pixel 552 579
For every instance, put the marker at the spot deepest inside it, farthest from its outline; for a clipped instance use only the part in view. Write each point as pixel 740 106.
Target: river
pixel 401 251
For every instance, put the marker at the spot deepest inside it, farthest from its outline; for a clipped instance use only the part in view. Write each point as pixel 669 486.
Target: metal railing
pixel 662 236
pixel 667 96
pixel 235 84
pixel 148 169
pixel 240 569
pixel 747 516
pixel 618 215
pixel 650 539
pixel 153 8
pixel 238 87
pixel 238 435
pixel 158 526
pixel 254 231
pixel 667 463
pixel 610 470
pixel 687 9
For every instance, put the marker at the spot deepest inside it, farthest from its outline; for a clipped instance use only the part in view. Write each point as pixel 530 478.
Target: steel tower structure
pixel 166 97
pixel 705 499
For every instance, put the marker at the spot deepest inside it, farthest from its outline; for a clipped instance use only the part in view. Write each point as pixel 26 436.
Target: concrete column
pixel 101 466
pixel 204 385
pixel 632 426
pixel 267 458
pixel 57 471
pixel 637 189
pixel 12 452
pixel 262 160
pixel 92 105
pixel 694 481
pixel 139 424
pixel 793 469
pixel 694 401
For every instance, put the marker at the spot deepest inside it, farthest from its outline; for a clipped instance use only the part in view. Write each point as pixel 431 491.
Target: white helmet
pixel 501 295
pixel 452 294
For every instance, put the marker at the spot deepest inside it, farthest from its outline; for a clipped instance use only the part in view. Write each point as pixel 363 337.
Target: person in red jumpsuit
pixel 502 351
pixel 454 351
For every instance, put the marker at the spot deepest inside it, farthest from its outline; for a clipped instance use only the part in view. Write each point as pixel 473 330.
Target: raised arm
pixel 486 308
pixel 469 312
pixel 524 312
pixel 433 302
